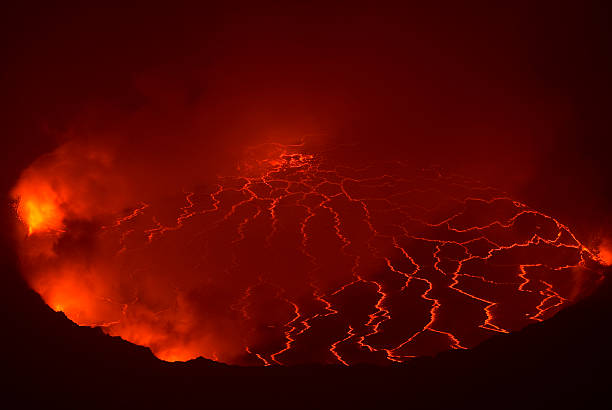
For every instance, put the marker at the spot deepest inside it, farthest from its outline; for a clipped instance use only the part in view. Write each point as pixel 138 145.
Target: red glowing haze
pixel 293 257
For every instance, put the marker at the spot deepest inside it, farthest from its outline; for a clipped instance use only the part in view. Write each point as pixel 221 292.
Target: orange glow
pixel 605 251
pixel 79 294
pixel 295 259
pixel 39 207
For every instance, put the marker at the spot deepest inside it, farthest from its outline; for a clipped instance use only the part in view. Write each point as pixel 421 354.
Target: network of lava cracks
pixel 338 264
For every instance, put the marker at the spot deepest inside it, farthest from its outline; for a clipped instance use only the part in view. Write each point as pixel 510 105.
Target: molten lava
pixel 296 259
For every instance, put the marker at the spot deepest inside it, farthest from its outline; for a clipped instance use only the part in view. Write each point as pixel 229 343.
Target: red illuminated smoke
pixel 294 259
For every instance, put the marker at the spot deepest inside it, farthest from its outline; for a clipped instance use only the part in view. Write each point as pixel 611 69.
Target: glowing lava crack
pixel 301 260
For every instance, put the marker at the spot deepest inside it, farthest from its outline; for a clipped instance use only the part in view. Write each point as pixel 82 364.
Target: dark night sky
pixel 517 96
